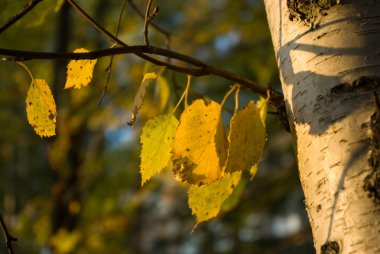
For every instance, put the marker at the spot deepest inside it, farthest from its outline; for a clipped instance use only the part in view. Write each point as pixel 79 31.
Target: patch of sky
pixel 223 43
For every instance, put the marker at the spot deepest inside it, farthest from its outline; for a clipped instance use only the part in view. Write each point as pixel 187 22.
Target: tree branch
pixel 19 15
pixel 202 69
pixel 205 69
pixel 8 237
pixel 121 43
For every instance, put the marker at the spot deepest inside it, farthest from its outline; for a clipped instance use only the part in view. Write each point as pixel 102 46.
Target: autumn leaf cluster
pixel 202 155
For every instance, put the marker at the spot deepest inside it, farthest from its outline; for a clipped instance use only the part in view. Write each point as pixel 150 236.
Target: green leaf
pixel 246 138
pixel 157 140
pixel 206 201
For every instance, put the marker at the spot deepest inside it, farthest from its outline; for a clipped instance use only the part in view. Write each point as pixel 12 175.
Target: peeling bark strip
pixel 309 11
pixel 372 181
pixel 330 248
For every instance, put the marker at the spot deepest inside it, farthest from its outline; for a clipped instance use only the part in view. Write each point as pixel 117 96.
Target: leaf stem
pixel 184 94
pixel 27 69
pixel 228 94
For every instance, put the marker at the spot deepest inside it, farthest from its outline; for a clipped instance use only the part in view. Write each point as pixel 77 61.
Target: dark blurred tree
pixel 80 191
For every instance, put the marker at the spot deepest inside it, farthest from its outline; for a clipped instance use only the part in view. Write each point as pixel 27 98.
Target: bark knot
pixel 330 247
pixel 309 11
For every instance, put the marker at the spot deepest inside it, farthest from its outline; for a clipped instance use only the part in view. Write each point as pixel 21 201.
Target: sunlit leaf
pixel 157 140
pixel 139 98
pixel 40 108
pixel 79 72
pixel 246 138
pixel 199 149
pixel 206 201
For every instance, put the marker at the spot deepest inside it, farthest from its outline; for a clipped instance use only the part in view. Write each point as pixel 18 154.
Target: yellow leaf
pixel 139 98
pixel 40 108
pixel 206 201
pixel 246 139
pixel 157 140
pixel 199 149
pixel 79 72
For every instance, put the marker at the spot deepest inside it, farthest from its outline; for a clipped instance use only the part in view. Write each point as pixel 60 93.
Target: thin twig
pixel 202 70
pixel 8 237
pixel 151 23
pixel 19 15
pixel 146 22
pixel 109 68
pixel 184 94
pixel 121 43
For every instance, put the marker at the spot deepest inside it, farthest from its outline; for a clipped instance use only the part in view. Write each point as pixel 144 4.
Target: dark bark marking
pixel 372 181
pixel 351 93
pixel 360 84
pixel 309 11
pixel 330 247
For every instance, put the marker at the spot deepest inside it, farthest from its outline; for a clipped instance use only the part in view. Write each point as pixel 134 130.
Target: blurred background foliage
pixel 79 192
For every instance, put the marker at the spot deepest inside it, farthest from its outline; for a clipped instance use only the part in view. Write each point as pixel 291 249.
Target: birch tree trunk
pixel 328 53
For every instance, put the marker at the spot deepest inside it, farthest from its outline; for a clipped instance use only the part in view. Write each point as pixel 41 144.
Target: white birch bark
pixel 329 76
